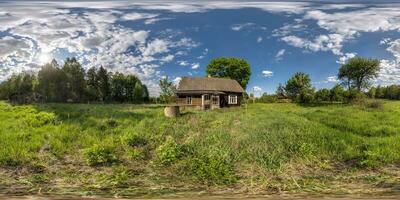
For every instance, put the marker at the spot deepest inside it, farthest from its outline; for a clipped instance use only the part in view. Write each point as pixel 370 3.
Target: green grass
pixel 131 150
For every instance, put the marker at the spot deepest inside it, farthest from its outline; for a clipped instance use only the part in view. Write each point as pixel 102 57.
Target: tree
pixel 358 72
pixel 92 85
pixel 52 82
pixel 146 97
pixel 299 88
pixel 75 80
pixel 337 93
pixel 322 95
pixel 118 90
pixel 103 79
pixel 168 90
pixel 280 92
pixel 138 92
pixel 234 68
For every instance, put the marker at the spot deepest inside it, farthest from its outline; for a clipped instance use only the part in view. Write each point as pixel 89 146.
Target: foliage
pixel 168 90
pixel 135 140
pixel 233 68
pixel 322 95
pixel 99 155
pixel 337 93
pixel 223 149
pixel 358 72
pixel 266 98
pixel 213 168
pixel 280 92
pixel 168 152
pixel 70 83
pixel 299 88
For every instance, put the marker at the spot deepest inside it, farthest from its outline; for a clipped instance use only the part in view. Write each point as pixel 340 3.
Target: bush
pixel 134 140
pixel 213 168
pixel 168 152
pixel 322 95
pixel 136 154
pixel 100 155
pixel 375 105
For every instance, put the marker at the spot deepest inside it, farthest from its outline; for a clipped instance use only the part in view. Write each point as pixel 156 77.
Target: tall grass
pixel 210 148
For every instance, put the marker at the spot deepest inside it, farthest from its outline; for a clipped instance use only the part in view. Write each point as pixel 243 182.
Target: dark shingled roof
pixel 207 84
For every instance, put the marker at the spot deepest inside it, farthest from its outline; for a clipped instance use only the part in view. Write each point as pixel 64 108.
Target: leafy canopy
pixel 299 87
pixel 234 68
pixel 358 72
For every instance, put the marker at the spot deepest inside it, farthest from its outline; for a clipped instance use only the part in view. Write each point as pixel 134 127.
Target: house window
pixel 232 99
pixel 206 97
pixel 189 100
pixel 215 100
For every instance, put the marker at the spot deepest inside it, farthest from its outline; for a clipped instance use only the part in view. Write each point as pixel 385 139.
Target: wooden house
pixel 209 93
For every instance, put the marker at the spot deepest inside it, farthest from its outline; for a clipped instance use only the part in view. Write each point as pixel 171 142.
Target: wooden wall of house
pixel 196 100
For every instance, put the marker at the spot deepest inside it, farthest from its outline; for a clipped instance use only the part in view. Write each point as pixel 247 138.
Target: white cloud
pixel 343 59
pixel 195 65
pixel 259 39
pixel 280 54
pixel 90 35
pixel 389 73
pixel 138 16
pixel 257 89
pixel 267 73
pixel 394 48
pixel 177 80
pixel 330 42
pixel 247 26
pixel 332 79
pixel 183 63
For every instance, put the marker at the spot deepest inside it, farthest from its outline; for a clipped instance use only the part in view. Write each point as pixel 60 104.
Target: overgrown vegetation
pixel 261 147
pixel 71 83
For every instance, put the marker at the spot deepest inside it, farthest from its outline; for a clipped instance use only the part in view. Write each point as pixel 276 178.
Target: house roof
pixel 208 84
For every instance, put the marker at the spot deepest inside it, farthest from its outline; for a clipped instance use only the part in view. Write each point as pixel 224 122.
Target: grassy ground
pixel 262 148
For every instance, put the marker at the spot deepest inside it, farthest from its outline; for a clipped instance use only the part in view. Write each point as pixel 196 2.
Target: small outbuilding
pixel 209 93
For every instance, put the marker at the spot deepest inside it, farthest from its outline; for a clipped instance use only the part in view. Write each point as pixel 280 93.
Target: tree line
pixel 71 83
pixel 356 79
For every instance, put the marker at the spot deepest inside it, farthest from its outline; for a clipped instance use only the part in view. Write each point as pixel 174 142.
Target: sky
pixel 153 39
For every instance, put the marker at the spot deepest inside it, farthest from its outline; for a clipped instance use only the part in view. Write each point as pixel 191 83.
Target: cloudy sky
pixel 178 38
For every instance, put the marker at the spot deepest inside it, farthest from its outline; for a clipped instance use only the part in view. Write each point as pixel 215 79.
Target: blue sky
pixel 153 39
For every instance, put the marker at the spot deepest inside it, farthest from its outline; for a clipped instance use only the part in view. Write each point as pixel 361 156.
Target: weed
pixel 168 152
pixel 100 155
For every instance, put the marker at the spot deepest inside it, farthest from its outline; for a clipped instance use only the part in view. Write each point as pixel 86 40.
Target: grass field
pixel 134 150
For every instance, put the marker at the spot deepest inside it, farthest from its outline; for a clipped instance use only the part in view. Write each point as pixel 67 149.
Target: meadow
pixel 258 148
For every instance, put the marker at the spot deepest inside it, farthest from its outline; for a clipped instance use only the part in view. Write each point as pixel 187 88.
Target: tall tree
pixel 92 85
pixel 146 97
pixel 299 87
pixel 234 68
pixel 280 92
pixel 168 90
pixel 358 72
pixel 52 82
pixel 103 78
pixel 75 79
pixel 118 90
pixel 138 92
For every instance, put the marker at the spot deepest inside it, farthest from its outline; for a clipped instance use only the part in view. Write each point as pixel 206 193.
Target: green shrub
pixel 213 168
pixel 375 105
pixel 136 154
pixel 134 140
pixel 168 152
pixel 100 155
